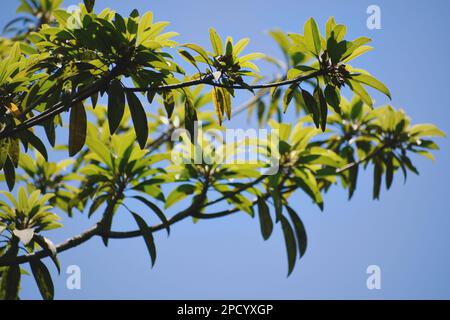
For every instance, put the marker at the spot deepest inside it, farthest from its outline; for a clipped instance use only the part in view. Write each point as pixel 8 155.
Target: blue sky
pixel 405 233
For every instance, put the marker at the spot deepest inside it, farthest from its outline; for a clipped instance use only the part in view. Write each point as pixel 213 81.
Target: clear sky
pixel 405 233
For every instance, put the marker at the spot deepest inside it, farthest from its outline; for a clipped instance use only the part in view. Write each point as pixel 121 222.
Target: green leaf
pixel 360 91
pixel 89 4
pixel 389 170
pixel 426 130
pixel 291 246
pixel 312 37
pixel 188 57
pixel 147 235
pixel 43 279
pixel 77 128
pixel 312 108
pixel 323 107
pixel 265 220
pixel 10 173
pixel 156 210
pixel 202 52
pixel 372 82
pixel 4 148
pixel 288 95
pixel 300 231
pixel 139 118
pixel 14 151
pixel 333 98
pixel 377 174
pixel 179 193
pixel 116 105
pixel 29 137
pixel 216 42
pixel 190 117
pixel 10 283
pixel 169 102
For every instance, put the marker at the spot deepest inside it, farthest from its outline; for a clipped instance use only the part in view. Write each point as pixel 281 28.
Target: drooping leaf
pixel 323 107
pixel 43 279
pixel 147 235
pixel 190 118
pixel 169 102
pixel 300 231
pixel 156 210
pixel 291 247
pixel 77 128
pixel 139 118
pixel 265 219
pixel 333 98
pixel 116 105
pixel 10 283
pixel 89 4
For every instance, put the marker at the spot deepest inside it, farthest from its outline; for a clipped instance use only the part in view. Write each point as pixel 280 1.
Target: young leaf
pixel 147 235
pixel 291 246
pixel 43 279
pixel 312 37
pixel 139 118
pixel 116 105
pixel 77 128
pixel 360 91
pixel 179 193
pixel 265 220
pixel 372 82
pixel 216 42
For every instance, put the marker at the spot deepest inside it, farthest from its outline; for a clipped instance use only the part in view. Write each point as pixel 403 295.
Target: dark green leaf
pixel 265 219
pixel 323 107
pixel 311 105
pixel 291 246
pixel 10 283
pixel 77 128
pixel 29 137
pixel 190 117
pixel 10 173
pixel 169 103
pixel 43 279
pixel 333 98
pixel 147 235
pixel 300 231
pixel 156 210
pixel 89 4
pixel 377 174
pixel 116 105
pixel 139 118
